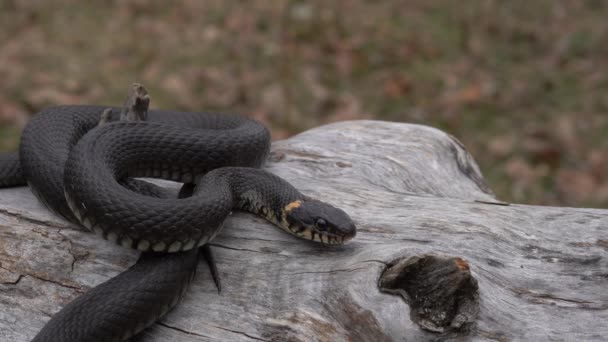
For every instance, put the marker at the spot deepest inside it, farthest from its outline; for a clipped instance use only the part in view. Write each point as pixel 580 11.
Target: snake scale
pixel 86 172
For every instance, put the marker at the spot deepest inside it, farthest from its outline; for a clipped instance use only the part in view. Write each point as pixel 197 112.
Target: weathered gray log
pixel 541 272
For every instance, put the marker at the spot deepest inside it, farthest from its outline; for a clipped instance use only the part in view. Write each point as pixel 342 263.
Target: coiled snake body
pixel 86 174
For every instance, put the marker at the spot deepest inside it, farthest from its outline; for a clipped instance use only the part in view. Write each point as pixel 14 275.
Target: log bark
pixel 437 256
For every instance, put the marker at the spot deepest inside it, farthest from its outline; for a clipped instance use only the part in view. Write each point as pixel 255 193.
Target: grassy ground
pixel 522 83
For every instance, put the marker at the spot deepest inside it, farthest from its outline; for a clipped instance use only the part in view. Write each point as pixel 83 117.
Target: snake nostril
pixel 348 230
pixel 352 229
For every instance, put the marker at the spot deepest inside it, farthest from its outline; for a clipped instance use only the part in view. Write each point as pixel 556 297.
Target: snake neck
pixel 259 192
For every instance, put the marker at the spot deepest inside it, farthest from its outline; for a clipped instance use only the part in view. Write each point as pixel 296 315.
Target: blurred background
pixel 523 84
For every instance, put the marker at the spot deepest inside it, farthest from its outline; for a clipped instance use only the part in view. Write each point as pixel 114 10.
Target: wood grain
pixel 542 272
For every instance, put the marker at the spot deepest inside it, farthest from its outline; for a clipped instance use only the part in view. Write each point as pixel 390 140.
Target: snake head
pixel 318 221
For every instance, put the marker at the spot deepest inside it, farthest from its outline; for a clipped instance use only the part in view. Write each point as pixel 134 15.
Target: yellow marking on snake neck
pixel 291 206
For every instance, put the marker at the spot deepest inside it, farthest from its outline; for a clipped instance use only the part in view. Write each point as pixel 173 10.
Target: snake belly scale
pixel 86 174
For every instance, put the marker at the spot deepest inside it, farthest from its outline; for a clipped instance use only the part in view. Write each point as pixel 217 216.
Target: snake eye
pixel 321 224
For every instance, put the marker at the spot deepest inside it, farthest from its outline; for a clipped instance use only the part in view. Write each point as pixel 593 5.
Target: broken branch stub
pixel 136 105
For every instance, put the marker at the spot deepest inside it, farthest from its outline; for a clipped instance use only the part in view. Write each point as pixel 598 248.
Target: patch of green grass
pixel 9 138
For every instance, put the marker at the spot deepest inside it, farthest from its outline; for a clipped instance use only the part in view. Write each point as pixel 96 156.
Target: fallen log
pixel 436 257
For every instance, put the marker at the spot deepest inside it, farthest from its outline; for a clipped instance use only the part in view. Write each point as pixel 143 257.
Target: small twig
pixel 106 117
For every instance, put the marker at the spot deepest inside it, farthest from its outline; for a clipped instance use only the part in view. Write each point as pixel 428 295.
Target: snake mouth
pixel 318 221
pixel 313 234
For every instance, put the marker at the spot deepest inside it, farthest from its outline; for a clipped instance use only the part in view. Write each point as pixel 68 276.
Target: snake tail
pixel 127 303
pixel 11 173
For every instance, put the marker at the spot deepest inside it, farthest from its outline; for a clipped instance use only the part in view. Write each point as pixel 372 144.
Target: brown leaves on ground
pixel 556 156
pixel 523 85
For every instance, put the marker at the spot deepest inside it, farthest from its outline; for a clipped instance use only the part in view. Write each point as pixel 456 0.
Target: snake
pixel 84 163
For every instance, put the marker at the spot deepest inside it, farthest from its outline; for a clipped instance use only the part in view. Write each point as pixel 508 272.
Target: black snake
pixel 86 172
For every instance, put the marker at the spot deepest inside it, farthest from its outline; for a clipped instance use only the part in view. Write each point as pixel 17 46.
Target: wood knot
pixel 441 292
